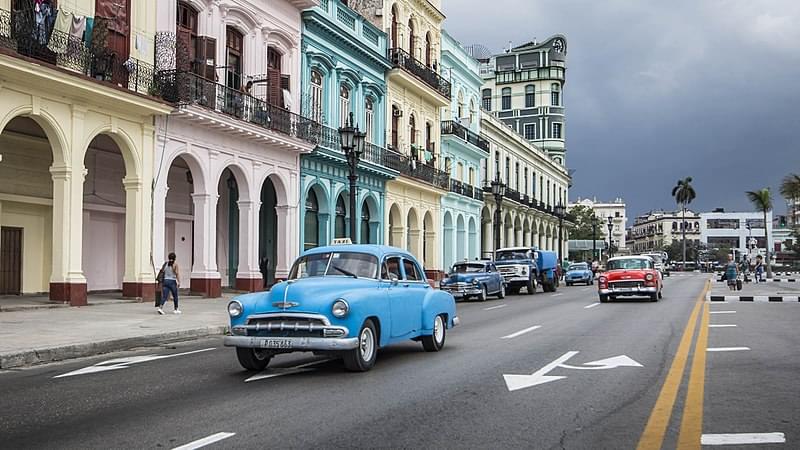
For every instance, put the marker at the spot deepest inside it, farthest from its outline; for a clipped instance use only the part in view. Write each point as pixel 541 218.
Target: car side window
pixel 391 266
pixel 411 270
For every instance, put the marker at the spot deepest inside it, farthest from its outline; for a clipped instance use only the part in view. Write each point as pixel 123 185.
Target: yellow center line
pixel 654 431
pixel 692 421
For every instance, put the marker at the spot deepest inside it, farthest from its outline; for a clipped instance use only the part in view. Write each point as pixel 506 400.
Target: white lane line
pixel 521 332
pixel 742 438
pixel 556 295
pixel 727 349
pixel 495 307
pixel 591 306
pixel 287 371
pixel 721 326
pixel 722 312
pixel 205 441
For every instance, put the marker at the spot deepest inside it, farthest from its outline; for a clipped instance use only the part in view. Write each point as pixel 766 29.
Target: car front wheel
pixel 435 341
pixel 603 298
pixel 483 295
pixel 362 358
pixel 502 293
pixel 253 358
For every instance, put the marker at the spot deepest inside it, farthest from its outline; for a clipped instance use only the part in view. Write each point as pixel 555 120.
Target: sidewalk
pixel 32 336
pixel 770 291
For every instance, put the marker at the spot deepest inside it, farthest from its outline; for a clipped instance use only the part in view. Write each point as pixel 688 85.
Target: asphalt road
pixel 457 398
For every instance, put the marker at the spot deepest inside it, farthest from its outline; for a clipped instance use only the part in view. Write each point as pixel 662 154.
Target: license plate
pixel 275 343
pixel 624 289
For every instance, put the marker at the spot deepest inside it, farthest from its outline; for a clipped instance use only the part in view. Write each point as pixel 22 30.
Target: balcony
pixel 187 88
pixel 450 127
pixel 374 154
pixel 401 59
pixel 467 190
pixel 414 168
pixel 20 34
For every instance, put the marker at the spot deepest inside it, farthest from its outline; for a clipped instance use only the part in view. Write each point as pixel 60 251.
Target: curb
pixel 753 298
pixel 46 355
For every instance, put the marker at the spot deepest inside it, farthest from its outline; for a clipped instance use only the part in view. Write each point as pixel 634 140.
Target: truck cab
pixel 527 267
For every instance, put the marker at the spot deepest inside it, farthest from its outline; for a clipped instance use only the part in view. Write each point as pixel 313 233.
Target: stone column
pixel 205 275
pixel 248 278
pixel 67 282
pixel 138 280
pixel 284 251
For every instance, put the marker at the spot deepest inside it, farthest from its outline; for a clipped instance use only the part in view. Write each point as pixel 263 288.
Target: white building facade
pixel 737 230
pixel 658 229
pixel 605 210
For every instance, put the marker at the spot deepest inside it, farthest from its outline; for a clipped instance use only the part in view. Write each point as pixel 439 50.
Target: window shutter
pixel 206 57
pixel 275 96
pixel 185 53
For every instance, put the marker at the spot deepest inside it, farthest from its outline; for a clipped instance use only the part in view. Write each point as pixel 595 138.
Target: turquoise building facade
pixel 464 151
pixel 343 73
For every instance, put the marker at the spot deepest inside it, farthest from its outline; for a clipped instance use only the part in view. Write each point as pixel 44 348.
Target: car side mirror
pixel 393 279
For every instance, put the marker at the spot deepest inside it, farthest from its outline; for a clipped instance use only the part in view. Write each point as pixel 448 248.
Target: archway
pixel 526 232
pixel 228 227
pixel 508 231
pixel 184 179
pixel 487 233
pixel 518 232
pixel 473 239
pixel 269 258
pixel 461 239
pixel 448 241
pixel 370 223
pixel 341 222
pixel 413 233
pixel 395 226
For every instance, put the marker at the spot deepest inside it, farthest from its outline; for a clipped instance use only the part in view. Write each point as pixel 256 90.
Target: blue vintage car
pixel 474 279
pixel 579 273
pixel 346 300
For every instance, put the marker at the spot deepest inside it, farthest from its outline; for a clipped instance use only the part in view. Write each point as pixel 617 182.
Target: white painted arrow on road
pixel 516 382
pixel 124 363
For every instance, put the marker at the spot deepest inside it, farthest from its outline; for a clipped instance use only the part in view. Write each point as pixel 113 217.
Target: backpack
pixel 160 276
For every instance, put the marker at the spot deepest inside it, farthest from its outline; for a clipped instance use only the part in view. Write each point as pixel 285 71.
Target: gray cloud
pixel 661 90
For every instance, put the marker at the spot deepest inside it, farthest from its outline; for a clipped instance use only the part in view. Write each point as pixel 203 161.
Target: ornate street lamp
pixel 595 222
pixel 610 229
pixel 352 142
pixel 559 211
pixel 499 191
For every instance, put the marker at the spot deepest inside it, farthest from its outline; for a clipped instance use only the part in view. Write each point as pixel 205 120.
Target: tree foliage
pixel 762 201
pixel 582 230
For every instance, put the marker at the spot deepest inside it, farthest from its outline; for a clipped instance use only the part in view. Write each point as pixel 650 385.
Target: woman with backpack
pixel 170 277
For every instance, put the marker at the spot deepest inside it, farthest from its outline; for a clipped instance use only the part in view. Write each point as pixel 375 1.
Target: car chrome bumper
pixel 456 321
pixel 295 343
pixel 631 291
pixel 517 279
pixel 462 292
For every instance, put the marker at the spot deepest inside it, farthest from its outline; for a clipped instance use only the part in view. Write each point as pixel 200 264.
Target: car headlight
pixel 524 271
pixel 649 277
pixel 340 308
pixel 475 282
pixel 602 279
pixel 235 308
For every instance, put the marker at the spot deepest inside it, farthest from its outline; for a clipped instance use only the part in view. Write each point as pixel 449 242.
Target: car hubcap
pixel 260 354
pixel 367 344
pixel 438 329
pixel 503 290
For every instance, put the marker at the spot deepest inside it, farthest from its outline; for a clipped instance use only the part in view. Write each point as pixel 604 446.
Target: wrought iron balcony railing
pixel 459 187
pixel 186 88
pixel 329 138
pixel 23 35
pixel 415 168
pixel 456 129
pixel 400 58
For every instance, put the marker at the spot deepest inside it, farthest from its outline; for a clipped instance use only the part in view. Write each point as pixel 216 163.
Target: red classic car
pixel 630 276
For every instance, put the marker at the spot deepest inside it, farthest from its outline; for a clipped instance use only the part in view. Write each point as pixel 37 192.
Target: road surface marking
pixel 495 307
pixel 743 438
pixel 591 306
pixel 722 326
pixel 692 421
pixel 516 382
pixel 727 349
pixel 653 434
pixel 124 363
pixel 279 372
pixel 205 441
pixel 521 332
pixel 556 295
pixel 722 312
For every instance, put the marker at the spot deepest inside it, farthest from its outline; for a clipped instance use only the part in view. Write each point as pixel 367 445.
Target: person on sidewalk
pixel 731 273
pixel 759 269
pixel 172 280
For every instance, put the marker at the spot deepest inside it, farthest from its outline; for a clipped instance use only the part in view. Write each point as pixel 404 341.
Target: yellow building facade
pixel 77 109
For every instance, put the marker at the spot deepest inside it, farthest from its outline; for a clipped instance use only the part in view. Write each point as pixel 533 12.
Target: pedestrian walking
pixel 731 273
pixel 759 269
pixel 171 279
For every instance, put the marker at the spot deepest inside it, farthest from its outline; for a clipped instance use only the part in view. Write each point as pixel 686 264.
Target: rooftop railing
pixel 401 58
pixel 454 128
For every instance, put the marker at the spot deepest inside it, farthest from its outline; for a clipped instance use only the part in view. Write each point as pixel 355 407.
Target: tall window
pixel 394 27
pixel 525 182
pixel 508 170
pixel 428 51
pixel 316 96
pixel 274 69
pixel 530 131
pixel 460 172
pixel 556 130
pixel 344 105
pixel 411 39
pixel 311 220
pixel 234 43
pixel 516 177
pixel 448 165
pixel 365 218
pixel 497 163
pixel 395 127
pixel 472 176
pixel 533 185
pixel 555 95
pixel 530 96
pixel 506 98
pixel 428 137
pixel 369 118
pixel 460 106
pixel 486 99
pixel 412 125
pixel 187 34
pixel 341 218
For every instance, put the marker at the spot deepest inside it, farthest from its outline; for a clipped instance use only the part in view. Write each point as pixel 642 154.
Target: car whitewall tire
pixel 362 358
pixel 435 341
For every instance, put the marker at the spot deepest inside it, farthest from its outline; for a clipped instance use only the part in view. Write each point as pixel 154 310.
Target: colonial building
pixel 416 95
pixel 344 64
pixel 464 152
pixel 534 185
pixel 658 229
pixel 603 211
pixel 524 86
pixel 742 232
pixel 228 157
pixel 77 108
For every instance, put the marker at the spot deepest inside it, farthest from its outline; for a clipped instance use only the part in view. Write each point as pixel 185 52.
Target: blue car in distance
pixel 474 279
pixel 579 273
pixel 345 300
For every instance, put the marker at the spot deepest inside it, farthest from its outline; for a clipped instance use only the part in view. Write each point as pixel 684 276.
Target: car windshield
pixel 629 264
pixel 581 266
pixel 512 254
pixel 467 268
pixel 346 264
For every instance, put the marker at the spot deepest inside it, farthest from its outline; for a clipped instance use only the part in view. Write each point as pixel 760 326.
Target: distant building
pixel 658 229
pixel 736 230
pixel 604 210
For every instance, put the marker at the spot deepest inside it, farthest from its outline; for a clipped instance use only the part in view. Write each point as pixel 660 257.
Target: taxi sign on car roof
pixel 341 241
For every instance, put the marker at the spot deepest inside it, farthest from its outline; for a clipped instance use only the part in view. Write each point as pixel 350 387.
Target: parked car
pixel 630 276
pixel 346 300
pixel 474 279
pixel 579 273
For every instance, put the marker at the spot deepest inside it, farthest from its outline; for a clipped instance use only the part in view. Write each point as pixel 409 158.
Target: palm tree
pixel 684 194
pixel 790 190
pixel 762 200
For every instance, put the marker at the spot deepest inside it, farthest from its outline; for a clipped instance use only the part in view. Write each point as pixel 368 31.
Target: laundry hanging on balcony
pixel 58 43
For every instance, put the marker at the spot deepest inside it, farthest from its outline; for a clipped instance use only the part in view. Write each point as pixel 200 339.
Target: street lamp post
pixel 499 191
pixel 594 237
pixel 610 226
pixel 352 142
pixel 559 211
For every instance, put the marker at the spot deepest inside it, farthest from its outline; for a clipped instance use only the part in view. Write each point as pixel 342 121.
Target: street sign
pixel 517 382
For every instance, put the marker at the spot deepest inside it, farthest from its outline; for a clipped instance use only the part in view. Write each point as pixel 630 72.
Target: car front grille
pixel 286 326
pixel 625 284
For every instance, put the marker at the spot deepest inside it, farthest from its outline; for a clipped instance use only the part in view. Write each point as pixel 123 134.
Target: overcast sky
pixel 659 90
